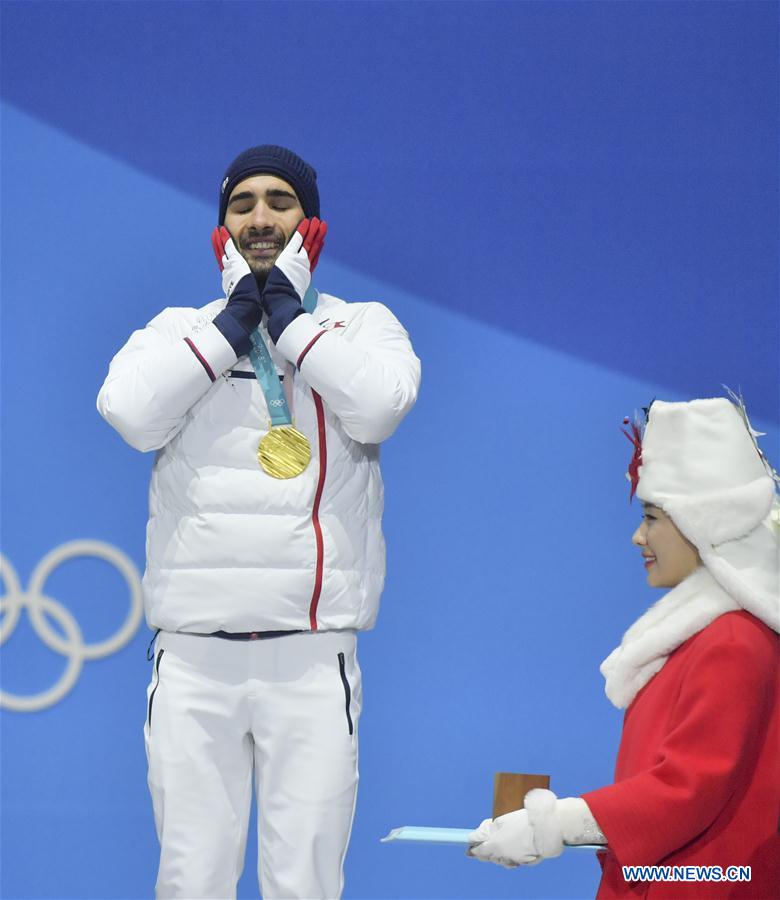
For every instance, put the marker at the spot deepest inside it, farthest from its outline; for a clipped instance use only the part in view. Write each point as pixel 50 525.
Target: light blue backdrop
pixel 510 570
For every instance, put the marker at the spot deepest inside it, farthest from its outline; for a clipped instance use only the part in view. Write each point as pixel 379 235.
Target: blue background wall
pixel 573 209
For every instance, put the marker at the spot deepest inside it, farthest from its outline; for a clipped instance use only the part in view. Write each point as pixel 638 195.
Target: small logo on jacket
pixel 330 326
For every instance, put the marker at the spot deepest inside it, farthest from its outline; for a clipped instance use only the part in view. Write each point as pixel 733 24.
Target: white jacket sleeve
pixel 367 372
pixel 158 375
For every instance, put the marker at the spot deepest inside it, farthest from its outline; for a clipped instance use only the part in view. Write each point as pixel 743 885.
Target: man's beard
pixel 261 273
pixel 261 268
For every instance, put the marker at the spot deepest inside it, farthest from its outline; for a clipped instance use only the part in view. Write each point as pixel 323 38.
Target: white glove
pixel 526 836
pixel 233 265
pixel 244 310
pixel 507 840
pixel 297 261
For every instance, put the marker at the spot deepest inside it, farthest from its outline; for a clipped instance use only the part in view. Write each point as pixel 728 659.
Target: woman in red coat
pixel 697 782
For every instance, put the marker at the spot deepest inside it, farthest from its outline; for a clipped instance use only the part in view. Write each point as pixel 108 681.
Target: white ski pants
pixel 285 709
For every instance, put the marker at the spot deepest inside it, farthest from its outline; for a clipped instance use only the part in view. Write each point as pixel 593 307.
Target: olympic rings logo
pixel 39 605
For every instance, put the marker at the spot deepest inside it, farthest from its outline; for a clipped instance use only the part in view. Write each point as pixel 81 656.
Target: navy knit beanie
pixel 272 160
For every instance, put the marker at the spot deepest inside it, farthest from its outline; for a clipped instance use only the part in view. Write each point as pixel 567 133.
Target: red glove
pixel 313 239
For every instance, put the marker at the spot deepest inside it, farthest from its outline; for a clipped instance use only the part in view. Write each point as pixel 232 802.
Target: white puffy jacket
pixel 229 548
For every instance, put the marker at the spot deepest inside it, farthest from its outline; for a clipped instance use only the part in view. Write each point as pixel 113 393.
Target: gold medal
pixel 284 452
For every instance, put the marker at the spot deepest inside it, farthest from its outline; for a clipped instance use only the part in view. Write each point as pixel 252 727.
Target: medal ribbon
pixel 265 370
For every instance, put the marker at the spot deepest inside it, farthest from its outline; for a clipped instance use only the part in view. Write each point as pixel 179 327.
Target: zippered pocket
pixel 157 684
pixel 347 691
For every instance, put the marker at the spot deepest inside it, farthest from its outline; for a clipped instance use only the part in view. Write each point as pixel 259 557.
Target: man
pixel 262 562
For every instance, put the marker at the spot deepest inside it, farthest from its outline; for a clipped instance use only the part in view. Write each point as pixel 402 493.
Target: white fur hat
pixel 701 465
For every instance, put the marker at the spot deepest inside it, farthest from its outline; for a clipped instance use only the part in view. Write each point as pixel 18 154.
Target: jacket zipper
pixel 315 515
pixel 347 692
pixel 154 689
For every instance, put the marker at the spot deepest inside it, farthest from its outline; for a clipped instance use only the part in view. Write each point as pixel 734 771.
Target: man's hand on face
pixel 297 261
pixel 290 277
pixel 231 263
pixel 244 310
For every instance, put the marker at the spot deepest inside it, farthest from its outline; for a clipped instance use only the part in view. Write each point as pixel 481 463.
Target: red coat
pixel 697 780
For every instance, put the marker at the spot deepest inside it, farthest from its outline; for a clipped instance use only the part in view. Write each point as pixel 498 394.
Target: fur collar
pixel 677 616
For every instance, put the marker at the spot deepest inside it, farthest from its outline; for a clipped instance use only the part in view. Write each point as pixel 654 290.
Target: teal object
pixel 420 834
pixel 265 370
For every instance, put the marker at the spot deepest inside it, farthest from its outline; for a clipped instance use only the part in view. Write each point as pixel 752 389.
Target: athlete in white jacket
pixel 258 582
